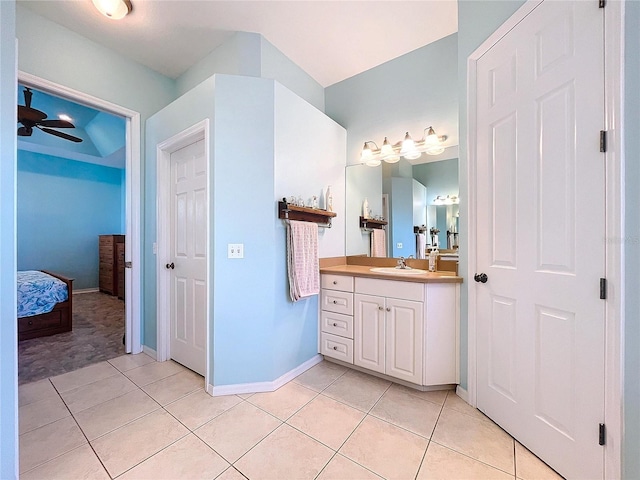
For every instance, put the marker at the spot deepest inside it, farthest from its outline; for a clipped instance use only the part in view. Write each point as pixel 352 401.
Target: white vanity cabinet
pixel 336 317
pixel 388 330
pixel 405 330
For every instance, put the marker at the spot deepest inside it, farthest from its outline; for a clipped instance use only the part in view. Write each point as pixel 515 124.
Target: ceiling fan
pixel 30 117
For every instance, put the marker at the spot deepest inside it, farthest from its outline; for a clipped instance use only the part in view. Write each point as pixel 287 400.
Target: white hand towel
pixel 378 243
pixel 303 266
pixel 421 245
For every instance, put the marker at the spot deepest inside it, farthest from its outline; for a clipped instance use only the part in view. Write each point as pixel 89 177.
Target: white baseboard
pixel 462 393
pixel 85 290
pixel 258 387
pixel 150 351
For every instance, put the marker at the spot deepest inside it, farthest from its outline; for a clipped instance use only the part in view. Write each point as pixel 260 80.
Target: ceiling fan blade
pixel 66 136
pixel 56 124
pixel 28 113
pixel 25 131
pixel 27 96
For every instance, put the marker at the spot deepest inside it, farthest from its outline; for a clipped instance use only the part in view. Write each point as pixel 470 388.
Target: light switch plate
pixel 235 250
pixel 399 245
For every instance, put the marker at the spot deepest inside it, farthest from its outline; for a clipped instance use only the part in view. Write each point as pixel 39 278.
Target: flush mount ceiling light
pixel 113 9
pixel 431 144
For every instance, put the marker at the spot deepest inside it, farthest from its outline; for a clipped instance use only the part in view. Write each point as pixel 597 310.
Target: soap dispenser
pixel 365 208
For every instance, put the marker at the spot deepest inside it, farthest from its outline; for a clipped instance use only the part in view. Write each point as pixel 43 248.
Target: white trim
pixel 85 290
pixel 462 393
pixel 614 28
pixel 164 150
pixel 133 287
pixel 614 90
pixel 150 351
pixel 240 388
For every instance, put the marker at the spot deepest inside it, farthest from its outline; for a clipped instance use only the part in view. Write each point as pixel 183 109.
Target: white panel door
pixel 188 262
pixel 368 332
pixel 403 352
pixel 540 230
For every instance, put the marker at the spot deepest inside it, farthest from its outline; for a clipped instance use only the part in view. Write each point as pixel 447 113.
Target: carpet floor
pixel 98 327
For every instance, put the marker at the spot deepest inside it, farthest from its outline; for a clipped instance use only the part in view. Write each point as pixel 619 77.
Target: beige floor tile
pixel 327 420
pixel 152 372
pixel 84 376
pixel 389 451
pixel 441 463
pixel 129 362
pixel 341 468
pixel 435 396
pixel 98 392
pixel 237 430
pixel 78 463
pixel 407 411
pixel 48 442
pixel 244 396
pixel 189 458
pixel 231 474
pixel 36 392
pixel 129 445
pixel 320 376
pixel 454 402
pixel 285 453
pixel 174 387
pixel 115 413
pixel 530 467
pixel 41 413
pixel 285 401
pixel 358 390
pixel 199 407
pixel 479 439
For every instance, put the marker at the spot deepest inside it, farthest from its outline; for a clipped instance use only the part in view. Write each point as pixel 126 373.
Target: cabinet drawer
pixel 337 324
pixel 336 347
pixel 390 288
pixel 337 282
pixel 337 302
pixel 29 324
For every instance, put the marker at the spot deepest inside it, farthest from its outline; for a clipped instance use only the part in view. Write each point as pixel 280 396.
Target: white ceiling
pixel 331 40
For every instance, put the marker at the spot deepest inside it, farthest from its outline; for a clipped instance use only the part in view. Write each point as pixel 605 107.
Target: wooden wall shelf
pixel 371 223
pixel 287 211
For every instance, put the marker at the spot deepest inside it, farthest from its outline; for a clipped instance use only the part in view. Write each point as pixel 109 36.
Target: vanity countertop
pixel 365 271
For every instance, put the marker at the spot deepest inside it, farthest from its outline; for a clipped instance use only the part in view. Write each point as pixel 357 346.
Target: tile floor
pixel 134 418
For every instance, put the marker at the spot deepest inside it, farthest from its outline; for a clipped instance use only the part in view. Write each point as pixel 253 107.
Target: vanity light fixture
pixel 113 9
pixel 431 144
pixel 448 200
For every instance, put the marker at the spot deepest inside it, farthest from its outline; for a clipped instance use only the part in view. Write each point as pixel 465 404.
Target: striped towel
pixel 303 266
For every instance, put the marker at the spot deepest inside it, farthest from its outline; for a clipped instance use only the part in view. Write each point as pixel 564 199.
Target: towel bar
pixel 288 212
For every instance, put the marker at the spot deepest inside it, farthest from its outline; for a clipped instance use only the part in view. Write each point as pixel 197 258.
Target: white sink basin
pixel 398 271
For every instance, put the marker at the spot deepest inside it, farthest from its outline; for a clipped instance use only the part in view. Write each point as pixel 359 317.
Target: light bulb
pixel 408 149
pixel 373 162
pixel 387 152
pixel 366 153
pixel 431 139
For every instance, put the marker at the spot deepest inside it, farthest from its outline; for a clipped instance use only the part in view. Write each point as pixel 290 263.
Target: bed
pixel 44 304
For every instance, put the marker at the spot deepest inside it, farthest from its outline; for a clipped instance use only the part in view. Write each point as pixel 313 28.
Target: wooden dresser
pixel 110 263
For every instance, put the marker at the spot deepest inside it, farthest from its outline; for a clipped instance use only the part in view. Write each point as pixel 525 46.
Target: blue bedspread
pixel 39 292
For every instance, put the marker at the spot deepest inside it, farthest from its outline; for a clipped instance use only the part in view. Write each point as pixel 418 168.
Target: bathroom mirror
pixel 405 195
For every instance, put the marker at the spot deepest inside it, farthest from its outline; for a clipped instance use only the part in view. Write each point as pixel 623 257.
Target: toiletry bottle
pixel 365 208
pixel 433 258
pixel 314 202
pixel 329 201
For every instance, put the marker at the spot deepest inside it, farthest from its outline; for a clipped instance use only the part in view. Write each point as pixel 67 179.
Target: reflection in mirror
pixel 411 192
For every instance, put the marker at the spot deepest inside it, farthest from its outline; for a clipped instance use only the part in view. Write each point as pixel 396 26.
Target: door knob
pixel 481 278
pixel 170 266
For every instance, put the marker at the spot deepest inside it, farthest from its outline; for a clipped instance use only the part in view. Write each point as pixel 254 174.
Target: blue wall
pixel 631 450
pixel 9 331
pixel 440 178
pixel 63 206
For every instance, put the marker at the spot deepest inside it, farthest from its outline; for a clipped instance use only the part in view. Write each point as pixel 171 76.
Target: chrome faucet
pixel 402 263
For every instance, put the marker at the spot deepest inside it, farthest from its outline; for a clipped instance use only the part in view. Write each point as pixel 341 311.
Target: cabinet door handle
pixel 335 302
pixel 380 308
pixel 335 282
pixel 335 324
pixel 388 309
pixel 335 348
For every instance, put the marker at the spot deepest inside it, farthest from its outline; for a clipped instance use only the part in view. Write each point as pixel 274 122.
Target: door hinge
pixel 602 3
pixel 603 289
pixel 603 140
pixel 601 434
pixel 128 265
